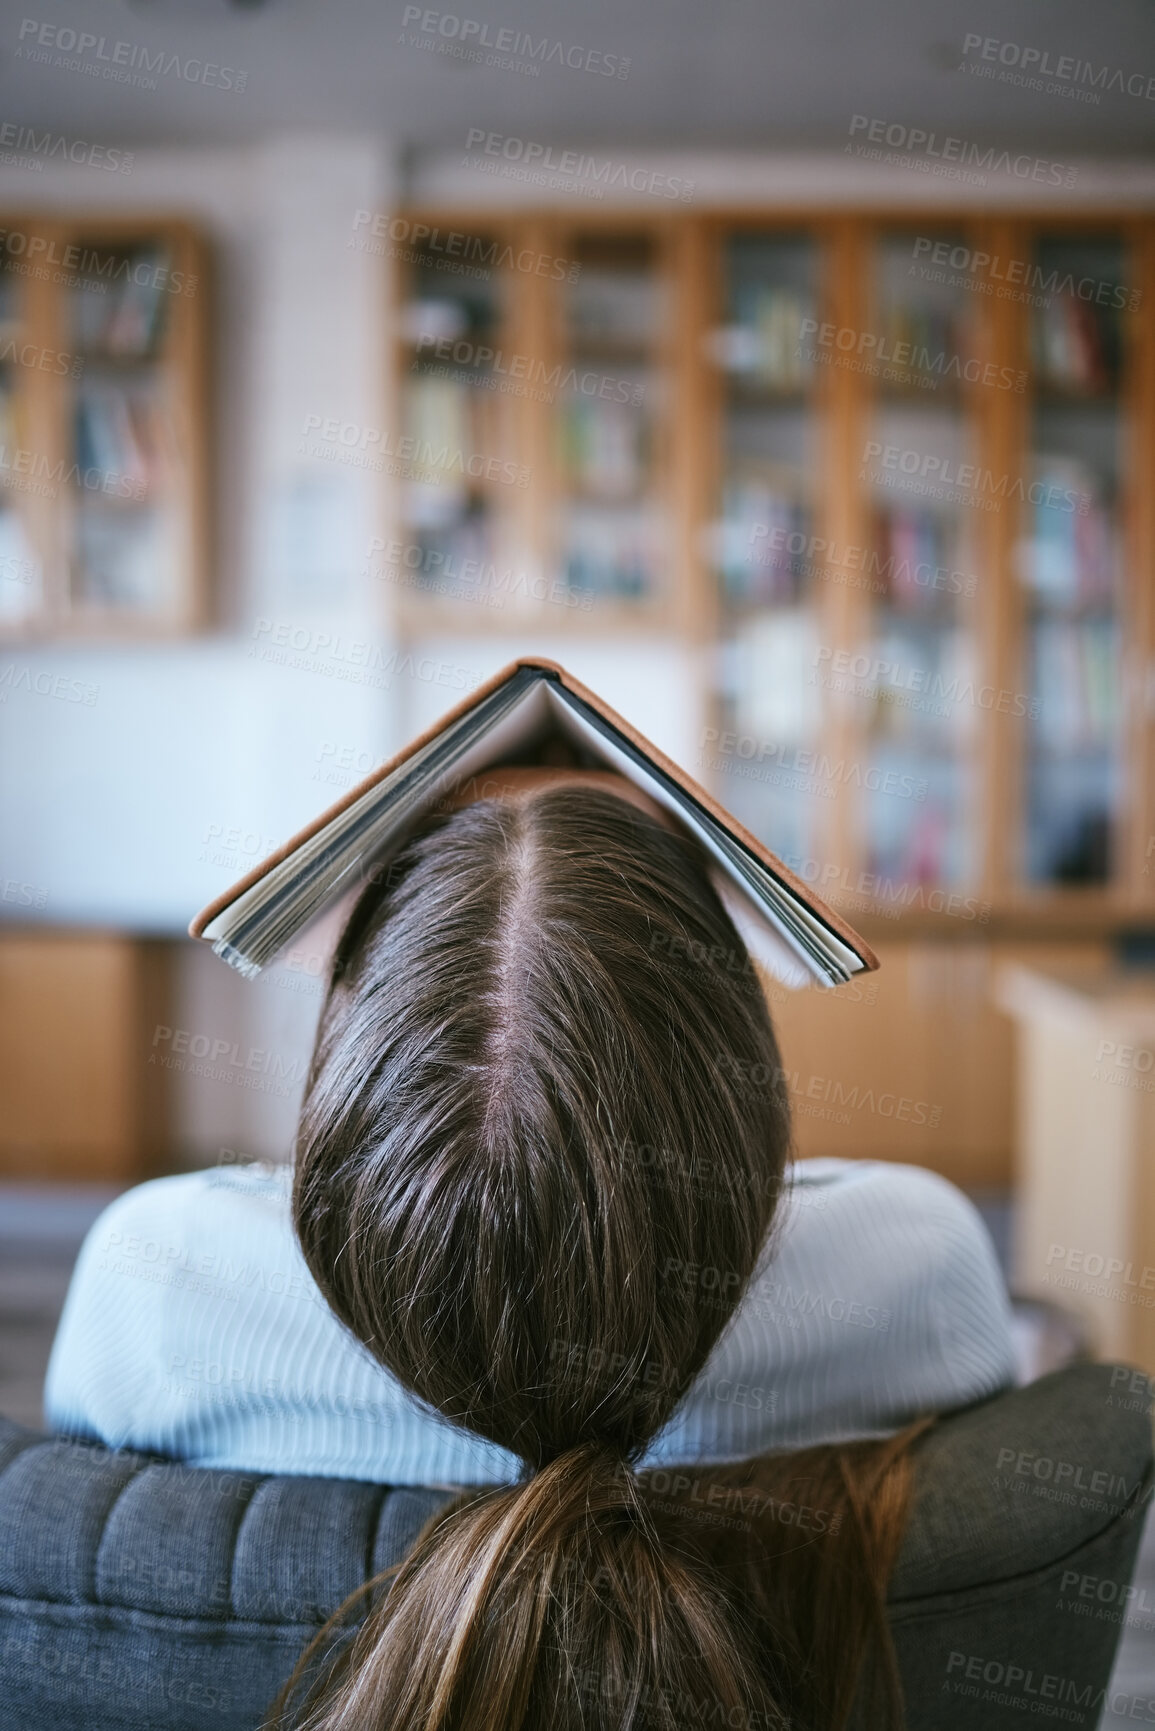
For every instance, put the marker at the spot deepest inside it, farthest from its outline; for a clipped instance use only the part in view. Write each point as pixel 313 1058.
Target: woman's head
pixel 530 1180
pixel 529 1176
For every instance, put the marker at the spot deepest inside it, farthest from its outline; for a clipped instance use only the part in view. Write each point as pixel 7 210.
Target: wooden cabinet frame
pixel 48 397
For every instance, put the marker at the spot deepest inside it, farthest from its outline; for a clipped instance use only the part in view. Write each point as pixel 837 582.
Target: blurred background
pixel 787 373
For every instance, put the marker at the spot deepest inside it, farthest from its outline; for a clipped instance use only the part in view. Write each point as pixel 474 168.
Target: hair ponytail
pixel 534 1178
pixel 554 1603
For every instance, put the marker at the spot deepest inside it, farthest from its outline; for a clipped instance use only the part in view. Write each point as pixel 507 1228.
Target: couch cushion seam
pixel 1128 1510
pixel 91 1598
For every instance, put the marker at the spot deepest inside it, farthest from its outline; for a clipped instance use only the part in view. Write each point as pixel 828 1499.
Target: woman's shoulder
pixel 831 1174
pixel 257 1187
pixel 168 1266
pixel 168 1224
pixel 846 1187
pixel 889 1216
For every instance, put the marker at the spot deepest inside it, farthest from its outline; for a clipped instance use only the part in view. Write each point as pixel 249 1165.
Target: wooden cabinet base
pixel 914 1063
pixel 76 1017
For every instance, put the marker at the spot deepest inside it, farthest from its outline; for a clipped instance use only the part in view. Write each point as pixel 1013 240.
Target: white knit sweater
pixel 192 1327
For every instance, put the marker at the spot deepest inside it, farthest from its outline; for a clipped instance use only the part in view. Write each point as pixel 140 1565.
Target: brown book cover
pixel 693 801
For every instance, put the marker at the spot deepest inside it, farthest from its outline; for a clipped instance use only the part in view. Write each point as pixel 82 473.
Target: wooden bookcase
pixel 897 465
pixel 794 548
pixel 563 362
pixel 104 494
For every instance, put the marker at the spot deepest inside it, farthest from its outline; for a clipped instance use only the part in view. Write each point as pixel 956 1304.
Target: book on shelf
pixel 458 430
pixel 528 706
pixel 1075 679
pixel 455 549
pixel 761 539
pixel 1070 556
pixel 125 434
pixel 123 317
pixel 612 550
pixel 1074 346
pixel 437 414
pixel 767 341
pixel 614 307
pixel 473 306
pixel 766 677
pixel 936 659
pixel 916 848
pixel 930 338
pixel 916 562
pixel 604 446
pixel 425 323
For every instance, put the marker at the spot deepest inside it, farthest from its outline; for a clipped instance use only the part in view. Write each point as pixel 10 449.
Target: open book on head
pixel 530 712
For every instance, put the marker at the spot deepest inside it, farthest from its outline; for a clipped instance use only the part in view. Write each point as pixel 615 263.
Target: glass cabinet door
pixel 21 571
pixel 1069 559
pixel 608 388
pixel 129 436
pixel 458 457
pixel 762 542
pixel 914 688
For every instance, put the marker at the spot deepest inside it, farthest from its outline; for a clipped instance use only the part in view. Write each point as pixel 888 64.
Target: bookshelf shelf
pixel 767 397
pixel 931 392
pixel 605 348
pixel 1064 394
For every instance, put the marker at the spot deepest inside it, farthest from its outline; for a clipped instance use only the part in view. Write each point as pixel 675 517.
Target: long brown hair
pixel 504 1035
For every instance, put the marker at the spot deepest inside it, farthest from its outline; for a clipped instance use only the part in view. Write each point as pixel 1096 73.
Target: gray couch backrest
pixel 137 1593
